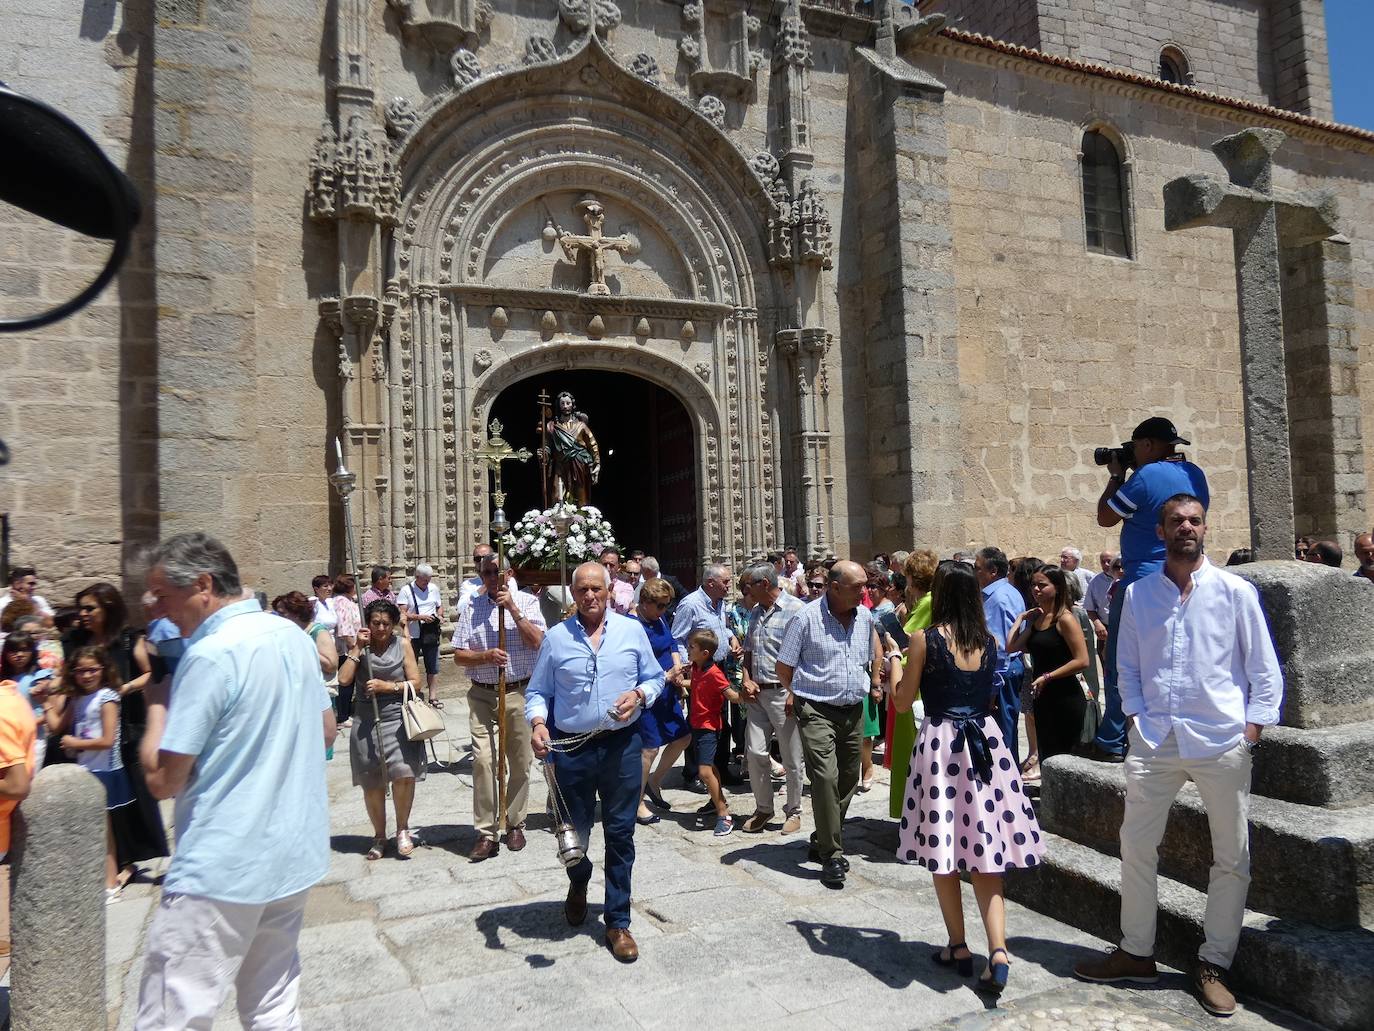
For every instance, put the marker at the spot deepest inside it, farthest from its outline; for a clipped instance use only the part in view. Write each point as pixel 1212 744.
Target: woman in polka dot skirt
pixel 965 809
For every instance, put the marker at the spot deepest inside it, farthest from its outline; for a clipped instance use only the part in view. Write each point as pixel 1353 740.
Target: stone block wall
pixel 78 411
pixel 1012 21
pixel 1302 69
pixel 1061 350
pixel 1226 42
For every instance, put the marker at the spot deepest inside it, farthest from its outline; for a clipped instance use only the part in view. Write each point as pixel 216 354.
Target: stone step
pixel 1308 863
pixel 1326 766
pixel 1326 976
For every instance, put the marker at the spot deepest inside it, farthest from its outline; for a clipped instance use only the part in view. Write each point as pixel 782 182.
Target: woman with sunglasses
pixel 102 619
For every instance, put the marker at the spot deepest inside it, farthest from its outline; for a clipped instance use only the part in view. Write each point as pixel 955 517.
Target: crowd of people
pixel 787 675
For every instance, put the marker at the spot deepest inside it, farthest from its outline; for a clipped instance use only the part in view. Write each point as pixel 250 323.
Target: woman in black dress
pixel 1051 634
pixel 102 618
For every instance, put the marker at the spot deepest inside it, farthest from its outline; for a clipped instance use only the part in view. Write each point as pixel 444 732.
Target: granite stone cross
pixel 1261 220
pixel 595 244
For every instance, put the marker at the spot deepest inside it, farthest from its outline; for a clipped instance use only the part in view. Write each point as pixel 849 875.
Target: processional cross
pixel 493 452
pixel 1261 220
pixel 596 245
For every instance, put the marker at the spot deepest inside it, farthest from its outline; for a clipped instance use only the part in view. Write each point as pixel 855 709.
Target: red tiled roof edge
pixel 977 39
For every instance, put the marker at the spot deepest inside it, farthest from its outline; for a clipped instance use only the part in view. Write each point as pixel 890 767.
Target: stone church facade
pixel 852 241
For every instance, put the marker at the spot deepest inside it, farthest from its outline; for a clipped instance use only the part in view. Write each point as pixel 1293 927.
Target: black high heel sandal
pixel 998 973
pixel 964 964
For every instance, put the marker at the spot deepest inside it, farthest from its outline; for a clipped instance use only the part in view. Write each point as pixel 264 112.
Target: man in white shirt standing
pixel 1096 602
pixel 1199 682
pixel 422 610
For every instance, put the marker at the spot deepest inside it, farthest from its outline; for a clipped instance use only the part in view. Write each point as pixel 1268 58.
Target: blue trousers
pixel 1111 733
pixel 607 766
pixel 1009 705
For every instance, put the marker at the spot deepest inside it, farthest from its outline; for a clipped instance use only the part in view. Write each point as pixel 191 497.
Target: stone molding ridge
pixel 1191 96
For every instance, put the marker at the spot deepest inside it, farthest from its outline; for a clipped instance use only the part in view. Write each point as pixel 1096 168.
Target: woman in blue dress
pixel 663 725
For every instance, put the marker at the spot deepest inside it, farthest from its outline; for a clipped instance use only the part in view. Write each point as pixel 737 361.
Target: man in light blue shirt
pixel 241 745
pixel 704 609
pixel 1002 603
pixel 595 673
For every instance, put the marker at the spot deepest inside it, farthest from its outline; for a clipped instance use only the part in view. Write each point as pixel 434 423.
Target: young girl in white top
pixel 86 713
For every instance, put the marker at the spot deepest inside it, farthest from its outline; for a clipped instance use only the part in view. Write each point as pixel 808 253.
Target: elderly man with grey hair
pixel 595 674
pixel 829 660
pixel 705 609
pixel 241 745
pixel 1071 561
pixel 422 612
pixel 766 701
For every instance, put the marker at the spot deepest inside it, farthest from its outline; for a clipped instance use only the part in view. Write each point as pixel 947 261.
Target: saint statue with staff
pixel 570 456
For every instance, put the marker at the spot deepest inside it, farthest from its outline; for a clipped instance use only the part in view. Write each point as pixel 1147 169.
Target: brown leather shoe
pixel 1118 965
pixel 575 908
pixel 484 849
pixel 622 944
pixel 515 839
pixel 1216 998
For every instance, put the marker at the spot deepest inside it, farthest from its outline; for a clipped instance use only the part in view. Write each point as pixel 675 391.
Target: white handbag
pixel 420 720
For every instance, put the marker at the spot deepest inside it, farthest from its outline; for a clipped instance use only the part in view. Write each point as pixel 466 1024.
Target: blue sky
pixel 1349 32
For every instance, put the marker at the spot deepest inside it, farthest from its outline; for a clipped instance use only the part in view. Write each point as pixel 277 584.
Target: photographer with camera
pixel 1160 472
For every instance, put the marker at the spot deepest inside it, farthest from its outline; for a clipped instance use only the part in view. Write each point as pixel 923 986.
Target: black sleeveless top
pixel 945 688
pixel 963 697
pixel 1048 650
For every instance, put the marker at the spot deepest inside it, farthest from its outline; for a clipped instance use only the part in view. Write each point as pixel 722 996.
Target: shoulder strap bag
pixel 420 720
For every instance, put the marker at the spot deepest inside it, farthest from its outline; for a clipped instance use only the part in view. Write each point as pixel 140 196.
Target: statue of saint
pixel 571 457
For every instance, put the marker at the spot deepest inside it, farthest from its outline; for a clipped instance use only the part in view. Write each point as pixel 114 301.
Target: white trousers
pixel 198 947
pixel 1153 779
pixel 765 718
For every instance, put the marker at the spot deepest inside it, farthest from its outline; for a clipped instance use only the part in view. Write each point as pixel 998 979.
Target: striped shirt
pixel 765 636
pixel 829 662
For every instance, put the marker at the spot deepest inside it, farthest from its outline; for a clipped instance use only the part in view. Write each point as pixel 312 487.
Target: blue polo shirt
pixel 1138 503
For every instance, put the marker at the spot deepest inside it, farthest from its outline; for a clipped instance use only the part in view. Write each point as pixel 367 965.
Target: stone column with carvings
pixel 354 187
pixel 800 246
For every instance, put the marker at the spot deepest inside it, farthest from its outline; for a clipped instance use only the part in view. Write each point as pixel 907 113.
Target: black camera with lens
pixel 1125 454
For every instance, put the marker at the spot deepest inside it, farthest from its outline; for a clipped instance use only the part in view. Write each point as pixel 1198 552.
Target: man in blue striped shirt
pixel 829 659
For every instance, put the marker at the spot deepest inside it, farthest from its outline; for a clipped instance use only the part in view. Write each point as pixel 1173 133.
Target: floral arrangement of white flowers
pixel 532 543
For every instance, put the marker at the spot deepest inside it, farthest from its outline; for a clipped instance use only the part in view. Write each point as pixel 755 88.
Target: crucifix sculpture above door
pixel 594 244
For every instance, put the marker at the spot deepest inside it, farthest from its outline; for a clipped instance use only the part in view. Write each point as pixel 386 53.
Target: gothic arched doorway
pixel 648 484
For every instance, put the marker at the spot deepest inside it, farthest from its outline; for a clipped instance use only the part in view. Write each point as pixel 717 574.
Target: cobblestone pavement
pixel 730 929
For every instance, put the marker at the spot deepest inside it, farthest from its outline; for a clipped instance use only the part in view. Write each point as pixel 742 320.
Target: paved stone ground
pixel 729 929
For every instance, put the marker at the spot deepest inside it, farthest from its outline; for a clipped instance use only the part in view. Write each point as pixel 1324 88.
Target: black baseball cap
pixel 1158 428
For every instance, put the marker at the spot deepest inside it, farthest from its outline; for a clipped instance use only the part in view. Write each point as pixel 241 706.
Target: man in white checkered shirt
pixel 475 650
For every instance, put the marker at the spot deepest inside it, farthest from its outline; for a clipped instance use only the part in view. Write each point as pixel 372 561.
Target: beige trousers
pixel 1153 779
pixel 483 729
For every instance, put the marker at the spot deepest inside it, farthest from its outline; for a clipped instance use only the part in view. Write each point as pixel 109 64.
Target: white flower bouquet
pixel 532 543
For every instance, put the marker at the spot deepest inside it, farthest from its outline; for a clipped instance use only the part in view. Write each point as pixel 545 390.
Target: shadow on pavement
pixel 893 960
pixel 783 856
pixel 535 921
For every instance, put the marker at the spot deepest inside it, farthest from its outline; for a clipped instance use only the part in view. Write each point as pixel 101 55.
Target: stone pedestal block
pixel 58 904
pixel 1320 619
pixel 1309 864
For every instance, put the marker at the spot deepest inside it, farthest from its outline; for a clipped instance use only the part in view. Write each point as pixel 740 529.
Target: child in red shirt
pixel 709 691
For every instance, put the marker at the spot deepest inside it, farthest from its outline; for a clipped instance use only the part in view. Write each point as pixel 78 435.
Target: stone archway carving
pixel 475 166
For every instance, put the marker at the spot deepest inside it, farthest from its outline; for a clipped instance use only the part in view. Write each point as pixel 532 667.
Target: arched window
pixel 1105 207
pixel 1173 66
